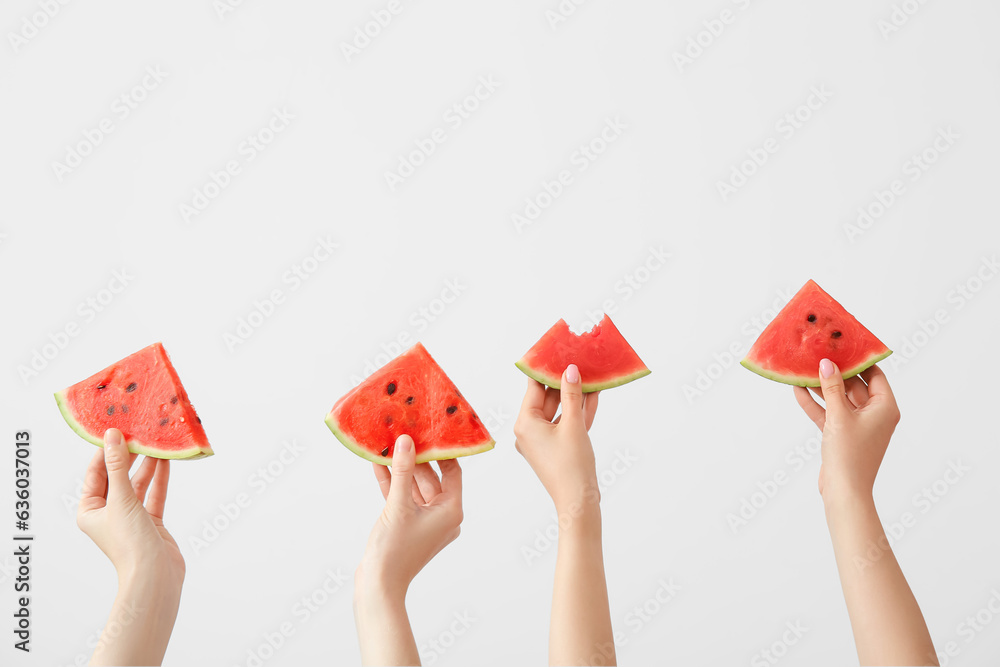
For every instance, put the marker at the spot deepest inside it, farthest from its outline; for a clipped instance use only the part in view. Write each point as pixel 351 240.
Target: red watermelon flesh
pixel 812 327
pixel 142 397
pixel 410 395
pixel 604 357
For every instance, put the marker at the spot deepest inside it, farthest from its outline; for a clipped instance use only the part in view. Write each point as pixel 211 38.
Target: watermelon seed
pixel 111 410
pixel 452 409
pixel 164 421
pixel 836 334
pixel 173 400
pixel 198 418
pixel 409 400
pixel 385 452
pixel 388 421
pixel 811 318
pixel 391 388
pixel 129 389
pixel 124 408
pixel 101 386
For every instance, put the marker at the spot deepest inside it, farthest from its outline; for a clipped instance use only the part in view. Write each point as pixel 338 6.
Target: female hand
pixel 860 417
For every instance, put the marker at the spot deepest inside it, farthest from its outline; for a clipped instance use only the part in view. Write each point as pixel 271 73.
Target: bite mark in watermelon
pixel 142 397
pixel 811 327
pixel 410 395
pixel 604 357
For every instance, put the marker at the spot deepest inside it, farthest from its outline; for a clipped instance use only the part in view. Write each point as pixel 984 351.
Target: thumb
pixel 403 462
pixel 571 397
pixel 832 383
pixel 117 461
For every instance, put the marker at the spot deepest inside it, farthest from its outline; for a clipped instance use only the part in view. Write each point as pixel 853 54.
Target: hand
pixel 422 515
pixel 860 417
pixel 115 514
pixel 559 451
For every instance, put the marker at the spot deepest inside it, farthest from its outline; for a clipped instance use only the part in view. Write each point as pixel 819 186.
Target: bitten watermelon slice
pixel 143 398
pixel 812 327
pixel 410 395
pixel 604 357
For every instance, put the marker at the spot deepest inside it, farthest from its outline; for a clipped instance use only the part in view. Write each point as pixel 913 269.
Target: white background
pixel 694 460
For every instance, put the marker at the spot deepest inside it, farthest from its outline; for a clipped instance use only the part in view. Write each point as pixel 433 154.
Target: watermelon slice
pixel 604 357
pixel 811 327
pixel 143 398
pixel 410 395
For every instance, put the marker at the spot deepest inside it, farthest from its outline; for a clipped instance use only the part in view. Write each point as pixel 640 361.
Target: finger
pixel 551 404
pixel 142 478
pixel 451 480
pixel 534 400
pixel 158 489
pixel 427 481
pixel 118 462
pixel 95 483
pixel 384 478
pixel 857 391
pixel 590 408
pixel 403 460
pixel 809 405
pixel 878 383
pixel 418 497
pixel 837 403
pixel 571 397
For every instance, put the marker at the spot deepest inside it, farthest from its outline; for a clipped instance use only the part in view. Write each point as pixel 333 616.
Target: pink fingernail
pixel 825 368
pixel 572 374
pixel 403 443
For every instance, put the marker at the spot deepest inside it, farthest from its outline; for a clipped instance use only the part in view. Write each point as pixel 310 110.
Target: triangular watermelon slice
pixel 410 395
pixel 143 398
pixel 604 357
pixel 812 327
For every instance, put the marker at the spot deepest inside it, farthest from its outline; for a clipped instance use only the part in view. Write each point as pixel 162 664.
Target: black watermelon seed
pixel 385 452
pixel 391 388
pixel 452 409
pixel 409 400
pixel 101 386
pixel 124 408
pixel 164 421
pixel 129 389
pixel 173 400
pixel 111 410
pixel 198 418
pixel 388 421
pixel 811 318
pixel 836 334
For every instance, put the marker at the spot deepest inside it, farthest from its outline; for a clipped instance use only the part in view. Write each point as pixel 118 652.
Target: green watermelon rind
pixel 133 446
pixel 588 387
pixel 434 454
pixel 813 381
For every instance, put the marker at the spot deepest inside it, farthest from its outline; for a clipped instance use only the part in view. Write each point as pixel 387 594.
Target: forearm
pixel 888 626
pixel 580 630
pixel 141 621
pixel 384 632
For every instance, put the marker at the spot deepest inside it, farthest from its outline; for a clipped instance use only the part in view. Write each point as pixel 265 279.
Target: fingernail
pixel 112 437
pixel 825 368
pixel 403 443
pixel 572 374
